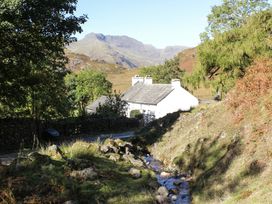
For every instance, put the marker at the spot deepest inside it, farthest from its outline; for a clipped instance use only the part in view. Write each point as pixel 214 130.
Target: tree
pixel 86 86
pixel 33 36
pixel 232 14
pixel 225 58
pixel 165 72
pixel 114 106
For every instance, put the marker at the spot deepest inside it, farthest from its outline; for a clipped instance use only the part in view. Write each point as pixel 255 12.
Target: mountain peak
pixel 122 50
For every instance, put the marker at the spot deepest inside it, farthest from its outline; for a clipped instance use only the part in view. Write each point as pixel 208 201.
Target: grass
pixel 47 180
pixel 230 162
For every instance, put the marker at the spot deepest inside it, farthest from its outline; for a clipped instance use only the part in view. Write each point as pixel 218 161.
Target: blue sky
pixel 157 22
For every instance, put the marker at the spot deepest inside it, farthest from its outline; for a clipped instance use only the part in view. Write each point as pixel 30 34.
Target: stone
pixel 165 174
pixel 115 157
pixel 70 202
pixel 163 191
pixel 135 173
pixel 162 200
pixel 174 198
pixel 53 148
pixel 177 182
pixel 133 161
pixel 87 173
pixel 104 149
pixel 174 191
pixel 37 157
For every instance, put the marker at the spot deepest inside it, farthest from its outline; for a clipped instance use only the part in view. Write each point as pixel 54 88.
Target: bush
pixel 253 89
pixel 136 114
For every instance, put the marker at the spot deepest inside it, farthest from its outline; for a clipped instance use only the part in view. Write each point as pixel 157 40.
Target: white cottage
pixel 157 100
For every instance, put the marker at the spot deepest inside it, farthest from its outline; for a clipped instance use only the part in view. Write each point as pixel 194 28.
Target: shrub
pixel 252 89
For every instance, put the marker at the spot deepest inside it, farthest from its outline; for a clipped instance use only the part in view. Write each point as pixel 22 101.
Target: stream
pixel 179 191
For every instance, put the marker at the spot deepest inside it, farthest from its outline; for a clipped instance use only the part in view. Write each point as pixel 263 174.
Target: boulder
pixel 162 200
pixel 165 174
pixel 114 157
pixel 133 161
pixel 104 149
pixel 163 191
pixel 135 173
pixel 87 173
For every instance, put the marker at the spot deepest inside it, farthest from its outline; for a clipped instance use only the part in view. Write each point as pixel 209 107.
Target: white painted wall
pixel 143 108
pixel 178 99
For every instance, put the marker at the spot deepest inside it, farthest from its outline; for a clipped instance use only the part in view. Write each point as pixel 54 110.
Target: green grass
pixel 47 180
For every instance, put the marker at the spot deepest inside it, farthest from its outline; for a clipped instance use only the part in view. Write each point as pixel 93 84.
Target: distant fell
pixel 122 50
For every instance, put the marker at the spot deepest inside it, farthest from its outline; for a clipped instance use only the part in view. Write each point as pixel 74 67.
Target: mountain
pixel 78 62
pixel 122 50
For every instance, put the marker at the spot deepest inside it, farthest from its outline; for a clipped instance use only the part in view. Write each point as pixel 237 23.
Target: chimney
pixel 175 83
pixel 136 79
pixel 148 80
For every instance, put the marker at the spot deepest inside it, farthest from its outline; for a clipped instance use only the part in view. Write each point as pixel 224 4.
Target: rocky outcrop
pixel 87 173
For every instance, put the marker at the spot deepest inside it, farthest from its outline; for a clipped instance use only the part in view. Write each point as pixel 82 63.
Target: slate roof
pixel 147 93
pixel 101 100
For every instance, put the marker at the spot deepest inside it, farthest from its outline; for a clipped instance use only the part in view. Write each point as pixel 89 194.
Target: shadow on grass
pixel 151 133
pixel 208 160
pixel 49 182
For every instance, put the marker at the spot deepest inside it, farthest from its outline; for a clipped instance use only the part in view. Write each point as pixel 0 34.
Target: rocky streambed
pixel 172 187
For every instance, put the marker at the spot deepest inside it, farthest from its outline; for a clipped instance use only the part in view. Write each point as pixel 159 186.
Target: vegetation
pixel 33 35
pixel 86 86
pixel 231 14
pixel 164 73
pixel 224 58
pixel 49 177
pixel 114 106
pixel 225 146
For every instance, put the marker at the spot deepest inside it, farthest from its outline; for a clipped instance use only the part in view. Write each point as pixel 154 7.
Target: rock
pixel 135 173
pixel 174 191
pixel 55 152
pixel 173 198
pixel 53 148
pixel 165 174
pixel 104 149
pixel 163 191
pixel 87 173
pixel 177 182
pixel 70 202
pixel 108 148
pixel 162 200
pixel 115 157
pixel 133 161
pixel 37 157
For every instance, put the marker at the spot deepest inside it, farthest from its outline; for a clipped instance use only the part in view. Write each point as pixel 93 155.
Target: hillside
pixel 122 50
pixel 187 59
pixel 78 62
pixel 225 146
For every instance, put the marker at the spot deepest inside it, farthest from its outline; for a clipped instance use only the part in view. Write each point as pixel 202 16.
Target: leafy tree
pixel 86 86
pixel 33 36
pixel 165 72
pixel 114 106
pixel 225 58
pixel 232 14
